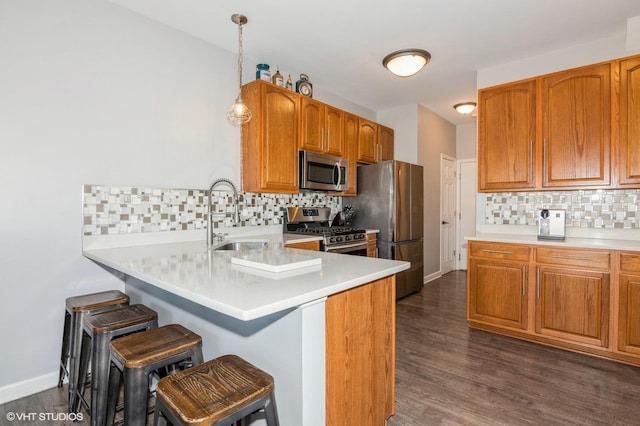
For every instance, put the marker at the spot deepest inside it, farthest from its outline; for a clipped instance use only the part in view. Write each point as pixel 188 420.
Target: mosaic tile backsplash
pixel 112 210
pixel 585 208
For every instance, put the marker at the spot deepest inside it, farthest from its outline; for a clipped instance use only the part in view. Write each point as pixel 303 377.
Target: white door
pixel 467 179
pixel 447 214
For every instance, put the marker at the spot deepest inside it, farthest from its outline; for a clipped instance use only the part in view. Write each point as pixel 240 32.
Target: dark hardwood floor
pixel 448 374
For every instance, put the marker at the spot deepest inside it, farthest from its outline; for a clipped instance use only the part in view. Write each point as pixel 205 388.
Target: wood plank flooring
pixel 448 374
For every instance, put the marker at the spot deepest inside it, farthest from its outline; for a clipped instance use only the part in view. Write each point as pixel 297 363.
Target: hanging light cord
pixel 240 54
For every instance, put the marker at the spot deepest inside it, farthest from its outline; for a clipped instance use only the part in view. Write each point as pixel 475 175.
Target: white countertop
pixel 208 277
pixel 593 243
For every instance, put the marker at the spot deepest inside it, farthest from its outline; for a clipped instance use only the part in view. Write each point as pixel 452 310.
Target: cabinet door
pixel 576 117
pixel 334 131
pixel 573 305
pixel 497 292
pixel 312 123
pixel 629 125
pixel 385 142
pixel 270 139
pixel 507 137
pixel 629 314
pixel 351 127
pixel 360 354
pixel 367 141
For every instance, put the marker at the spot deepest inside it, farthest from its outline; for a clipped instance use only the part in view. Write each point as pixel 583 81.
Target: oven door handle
pixel 345 246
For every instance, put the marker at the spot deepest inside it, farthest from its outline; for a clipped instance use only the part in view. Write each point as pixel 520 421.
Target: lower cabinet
pixel 629 302
pixel 497 292
pixel 573 305
pixel 306 245
pixel 360 354
pixel 572 298
pixel 372 245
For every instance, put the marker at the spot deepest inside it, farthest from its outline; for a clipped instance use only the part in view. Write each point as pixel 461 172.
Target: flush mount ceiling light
pixel 407 62
pixel 239 113
pixel 465 108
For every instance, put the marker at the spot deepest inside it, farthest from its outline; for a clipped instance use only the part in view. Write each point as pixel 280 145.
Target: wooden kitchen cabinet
pixel 360 354
pixel 270 139
pixel 306 245
pixel 507 137
pixel 385 143
pixel 372 245
pixel 629 123
pixel 629 304
pixel 321 127
pixel 572 295
pixel 351 128
pixel 576 127
pixel 367 141
pixel 497 284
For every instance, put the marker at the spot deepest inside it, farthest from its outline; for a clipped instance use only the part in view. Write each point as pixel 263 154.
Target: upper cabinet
pixel 270 139
pixel 507 137
pixel 375 142
pixel 367 141
pixel 284 122
pixel 576 127
pixel 629 126
pixel 385 142
pixel 321 127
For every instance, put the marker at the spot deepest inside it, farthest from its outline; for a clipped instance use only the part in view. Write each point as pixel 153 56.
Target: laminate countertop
pixel 209 278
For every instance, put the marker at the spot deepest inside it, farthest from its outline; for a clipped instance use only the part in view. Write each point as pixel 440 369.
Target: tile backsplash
pixel 585 208
pixel 112 210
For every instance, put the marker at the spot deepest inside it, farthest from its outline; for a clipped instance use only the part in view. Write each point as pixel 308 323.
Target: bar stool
pixel 99 330
pixel 76 309
pixel 218 392
pixel 137 355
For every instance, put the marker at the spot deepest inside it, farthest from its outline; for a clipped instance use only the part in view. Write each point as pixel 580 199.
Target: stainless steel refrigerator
pixel 390 199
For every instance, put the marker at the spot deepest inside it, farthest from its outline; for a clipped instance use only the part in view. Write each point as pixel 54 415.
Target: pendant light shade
pixel 407 62
pixel 465 108
pixel 239 113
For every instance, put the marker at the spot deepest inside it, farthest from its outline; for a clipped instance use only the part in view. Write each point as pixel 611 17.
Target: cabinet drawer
pixel 579 258
pixel 630 262
pixel 488 250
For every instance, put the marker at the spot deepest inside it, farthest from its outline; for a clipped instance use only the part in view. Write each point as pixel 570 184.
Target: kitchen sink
pixel 242 245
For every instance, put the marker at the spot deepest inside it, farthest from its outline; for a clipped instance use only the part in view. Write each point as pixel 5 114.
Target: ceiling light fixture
pixel 407 62
pixel 465 108
pixel 239 113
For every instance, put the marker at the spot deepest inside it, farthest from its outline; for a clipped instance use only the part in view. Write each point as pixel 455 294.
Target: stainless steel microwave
pixel 323 172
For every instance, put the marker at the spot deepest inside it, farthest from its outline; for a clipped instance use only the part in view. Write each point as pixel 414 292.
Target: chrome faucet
pixel 236 216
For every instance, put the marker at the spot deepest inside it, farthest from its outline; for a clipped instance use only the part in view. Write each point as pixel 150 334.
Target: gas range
pixel 315 221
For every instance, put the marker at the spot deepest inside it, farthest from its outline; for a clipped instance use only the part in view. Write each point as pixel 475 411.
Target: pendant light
pixel 407 62
pixel 239 113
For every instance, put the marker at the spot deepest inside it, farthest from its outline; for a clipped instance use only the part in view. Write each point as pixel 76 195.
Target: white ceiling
pixel 340 43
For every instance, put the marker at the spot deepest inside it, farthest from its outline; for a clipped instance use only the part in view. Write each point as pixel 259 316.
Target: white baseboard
pixel 431 277
pixel 28 387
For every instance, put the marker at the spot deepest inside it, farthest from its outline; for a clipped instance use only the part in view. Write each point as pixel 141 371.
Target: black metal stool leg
pixel 64 355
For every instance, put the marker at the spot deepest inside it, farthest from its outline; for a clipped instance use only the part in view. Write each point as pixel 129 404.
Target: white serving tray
pixel 275 261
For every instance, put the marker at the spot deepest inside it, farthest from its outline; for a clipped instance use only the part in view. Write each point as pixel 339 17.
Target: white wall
pixel 403 120
pixel 466 141
pixel 92 93
pixel 435 136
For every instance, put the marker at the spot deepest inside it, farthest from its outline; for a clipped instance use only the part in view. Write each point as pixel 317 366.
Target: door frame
pixel 461 244
pixel 454 222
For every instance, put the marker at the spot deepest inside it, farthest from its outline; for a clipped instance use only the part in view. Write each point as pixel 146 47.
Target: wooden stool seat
pixel 137 355
pixel 99 330
pixel 76 308
pixel 224 390
pixel 93 301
